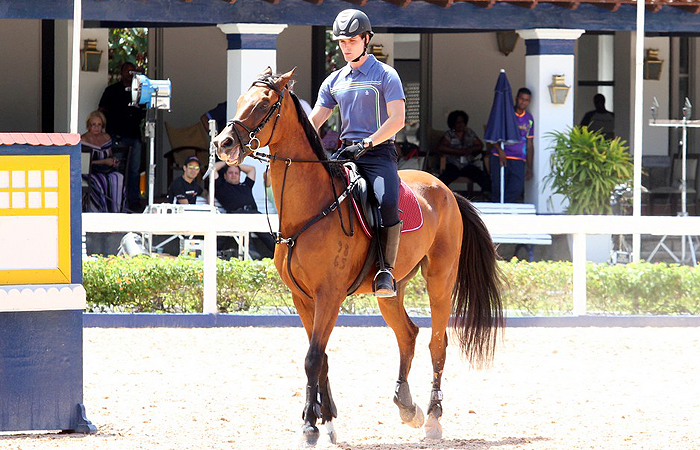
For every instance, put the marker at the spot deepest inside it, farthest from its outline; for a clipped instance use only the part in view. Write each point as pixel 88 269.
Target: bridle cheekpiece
pixel 253 143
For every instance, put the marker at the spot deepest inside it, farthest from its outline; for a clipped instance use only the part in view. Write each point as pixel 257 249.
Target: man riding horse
pixel 372 108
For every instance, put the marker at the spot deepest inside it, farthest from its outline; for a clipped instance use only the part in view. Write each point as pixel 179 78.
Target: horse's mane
pixel 314 139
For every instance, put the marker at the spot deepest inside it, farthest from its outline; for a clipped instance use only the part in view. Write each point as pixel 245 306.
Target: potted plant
pixel 585 169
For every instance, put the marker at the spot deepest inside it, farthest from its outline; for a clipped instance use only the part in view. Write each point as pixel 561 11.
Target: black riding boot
pixel 384 282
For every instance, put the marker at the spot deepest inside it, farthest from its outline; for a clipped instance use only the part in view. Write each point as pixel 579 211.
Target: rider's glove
pixel 354 151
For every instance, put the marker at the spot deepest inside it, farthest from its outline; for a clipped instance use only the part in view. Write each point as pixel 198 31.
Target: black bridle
pixel 276 108
pixel 268 81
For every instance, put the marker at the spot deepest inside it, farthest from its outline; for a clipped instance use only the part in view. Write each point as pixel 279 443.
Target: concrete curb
pixel 101 320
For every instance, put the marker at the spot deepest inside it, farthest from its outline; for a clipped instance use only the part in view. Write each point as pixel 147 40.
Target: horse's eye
pixel 264 105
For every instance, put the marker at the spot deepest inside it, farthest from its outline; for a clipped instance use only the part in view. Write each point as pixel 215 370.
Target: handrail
pixel 210 224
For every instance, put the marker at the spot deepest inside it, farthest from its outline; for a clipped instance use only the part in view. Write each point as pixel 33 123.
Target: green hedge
pixel 150 284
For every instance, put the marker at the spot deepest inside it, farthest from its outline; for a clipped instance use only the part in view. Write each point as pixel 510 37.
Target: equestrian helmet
pixel 350 23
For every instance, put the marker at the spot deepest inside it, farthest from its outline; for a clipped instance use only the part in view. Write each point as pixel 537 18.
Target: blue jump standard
pixel 102 320
pixel 41 371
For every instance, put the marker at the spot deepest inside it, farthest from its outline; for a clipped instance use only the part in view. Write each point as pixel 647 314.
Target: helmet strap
pixel 364 51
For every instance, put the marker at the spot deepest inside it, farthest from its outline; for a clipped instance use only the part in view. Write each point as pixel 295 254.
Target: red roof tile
pixel 39 139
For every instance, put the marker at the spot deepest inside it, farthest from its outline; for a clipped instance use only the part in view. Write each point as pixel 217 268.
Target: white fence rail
pixel 210 225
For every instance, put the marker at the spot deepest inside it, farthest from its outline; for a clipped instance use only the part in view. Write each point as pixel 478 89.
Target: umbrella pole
pixel 503 183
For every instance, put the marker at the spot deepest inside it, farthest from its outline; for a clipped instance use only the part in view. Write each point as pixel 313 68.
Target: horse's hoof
pixel 417 420
pixel 309 436
pixel 433 429
pixel 329 437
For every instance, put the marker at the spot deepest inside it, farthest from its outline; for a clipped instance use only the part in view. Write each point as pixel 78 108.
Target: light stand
pixel 683 124
pixel 156 95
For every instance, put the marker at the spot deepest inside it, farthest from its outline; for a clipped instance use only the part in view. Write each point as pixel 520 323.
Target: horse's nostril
pixel 226 143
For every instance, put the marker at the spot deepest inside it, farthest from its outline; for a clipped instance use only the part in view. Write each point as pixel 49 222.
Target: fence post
pixel 209 304
pixel 579 276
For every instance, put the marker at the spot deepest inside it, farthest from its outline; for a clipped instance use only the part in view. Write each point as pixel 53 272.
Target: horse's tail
pixel 476 297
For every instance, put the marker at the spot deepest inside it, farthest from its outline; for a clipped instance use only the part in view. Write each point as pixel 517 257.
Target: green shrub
pixel 146 284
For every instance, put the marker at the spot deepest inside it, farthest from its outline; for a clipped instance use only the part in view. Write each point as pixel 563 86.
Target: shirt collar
pixel 364 68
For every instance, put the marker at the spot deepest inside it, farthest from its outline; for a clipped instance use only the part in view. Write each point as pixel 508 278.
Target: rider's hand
pixel 353 151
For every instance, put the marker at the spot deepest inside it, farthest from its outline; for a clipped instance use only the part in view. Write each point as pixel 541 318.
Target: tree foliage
pixel 127 45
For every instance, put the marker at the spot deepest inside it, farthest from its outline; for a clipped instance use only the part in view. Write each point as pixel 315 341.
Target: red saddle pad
pixel 409 211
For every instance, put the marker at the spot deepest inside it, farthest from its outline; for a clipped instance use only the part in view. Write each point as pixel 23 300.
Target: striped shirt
pixel 362 95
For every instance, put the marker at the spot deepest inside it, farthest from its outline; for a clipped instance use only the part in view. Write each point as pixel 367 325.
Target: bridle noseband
pixel 253 142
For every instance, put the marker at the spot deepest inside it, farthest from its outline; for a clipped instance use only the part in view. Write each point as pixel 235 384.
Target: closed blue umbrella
pixel 502 128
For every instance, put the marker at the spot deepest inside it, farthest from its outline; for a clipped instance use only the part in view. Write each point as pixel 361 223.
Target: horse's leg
pixel 439 272
pixel 319 404
pixel 406 331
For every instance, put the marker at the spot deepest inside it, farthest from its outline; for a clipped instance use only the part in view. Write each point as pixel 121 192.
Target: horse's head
pixel 256 118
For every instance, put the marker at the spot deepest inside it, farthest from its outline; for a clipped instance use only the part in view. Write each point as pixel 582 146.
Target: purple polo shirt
pixel 362 95
pixel 526 125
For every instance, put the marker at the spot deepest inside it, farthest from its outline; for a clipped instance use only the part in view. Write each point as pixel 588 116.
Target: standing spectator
pixel 463 148
pixel 185 189
pixel 124 125
pixel 516 158
pixel 600 118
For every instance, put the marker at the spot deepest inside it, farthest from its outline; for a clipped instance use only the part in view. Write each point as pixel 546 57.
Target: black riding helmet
pixel 350 23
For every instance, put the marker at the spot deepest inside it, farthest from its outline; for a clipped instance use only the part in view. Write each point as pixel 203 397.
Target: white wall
pixel 294 50
pixel 92 84
pixel 655 139
pixel 465 70
pixel 20 75
pixel 194 59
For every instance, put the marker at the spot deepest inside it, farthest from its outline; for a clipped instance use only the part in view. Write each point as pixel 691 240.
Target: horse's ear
pixel 282 81
pixel 267 72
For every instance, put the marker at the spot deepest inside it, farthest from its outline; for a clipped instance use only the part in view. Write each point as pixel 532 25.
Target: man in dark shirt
pixel 185 189
pixel 235 196
pixel 600 118
pixel 124 126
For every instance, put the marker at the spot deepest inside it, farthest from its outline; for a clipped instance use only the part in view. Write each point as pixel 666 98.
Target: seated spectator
pixel 185 189
pixel 464 150
pixel 106 183
pixel 234 196
pixel 237 197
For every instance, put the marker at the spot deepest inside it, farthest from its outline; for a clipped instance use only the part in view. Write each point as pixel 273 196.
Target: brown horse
pixel 321 259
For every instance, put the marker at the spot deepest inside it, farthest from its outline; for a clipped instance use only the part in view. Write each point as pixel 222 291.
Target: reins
pixel 269 158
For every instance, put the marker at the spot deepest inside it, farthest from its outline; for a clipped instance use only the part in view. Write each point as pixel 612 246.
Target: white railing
pixel 210 225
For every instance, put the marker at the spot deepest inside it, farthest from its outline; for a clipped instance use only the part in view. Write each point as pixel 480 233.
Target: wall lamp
pixel 91 57
pixel 506 41
pixel 558 90
pixel 652 64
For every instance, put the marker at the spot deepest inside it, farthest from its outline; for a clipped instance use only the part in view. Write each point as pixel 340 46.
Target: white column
pixel 548 52
pixel 606 67
pixel 251 49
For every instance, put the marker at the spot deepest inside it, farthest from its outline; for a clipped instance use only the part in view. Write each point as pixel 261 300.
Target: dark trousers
pixel 380 168
pixel 133 195
pixel 470 171
pixel 514 180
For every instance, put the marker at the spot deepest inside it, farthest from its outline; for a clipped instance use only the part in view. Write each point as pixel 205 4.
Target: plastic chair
pixel 184 142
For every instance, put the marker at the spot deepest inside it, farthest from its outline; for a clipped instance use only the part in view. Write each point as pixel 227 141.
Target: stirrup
pixel 384 291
